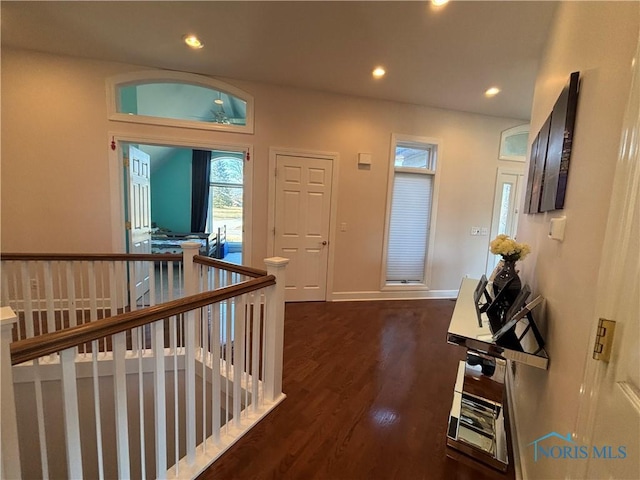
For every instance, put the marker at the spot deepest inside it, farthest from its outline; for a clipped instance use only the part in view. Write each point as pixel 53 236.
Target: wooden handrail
pixel 49 343
pixel 232 267
pixel 103 257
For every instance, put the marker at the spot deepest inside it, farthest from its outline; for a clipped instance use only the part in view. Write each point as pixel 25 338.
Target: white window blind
pixel 409 225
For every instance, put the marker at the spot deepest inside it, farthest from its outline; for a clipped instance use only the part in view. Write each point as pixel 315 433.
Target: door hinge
pixel 125 162
pixel 604 340
pixel 275 173
pixel 127 225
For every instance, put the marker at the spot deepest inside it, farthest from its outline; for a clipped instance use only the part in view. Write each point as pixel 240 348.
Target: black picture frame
pixel 551 153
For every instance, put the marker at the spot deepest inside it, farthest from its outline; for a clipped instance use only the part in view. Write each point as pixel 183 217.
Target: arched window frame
pixel 159 76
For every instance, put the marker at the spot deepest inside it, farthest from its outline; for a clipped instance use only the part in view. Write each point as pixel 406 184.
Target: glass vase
pixel 504 277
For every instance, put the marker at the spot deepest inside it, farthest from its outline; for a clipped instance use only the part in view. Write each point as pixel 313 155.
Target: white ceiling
pixel 444 58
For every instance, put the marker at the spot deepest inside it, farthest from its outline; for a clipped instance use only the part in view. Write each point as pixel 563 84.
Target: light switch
pixel 556 228
pixel 364 159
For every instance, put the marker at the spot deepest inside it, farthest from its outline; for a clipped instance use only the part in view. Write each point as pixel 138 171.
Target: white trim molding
pixel 271 209
pixel 117 182
pixel 411 139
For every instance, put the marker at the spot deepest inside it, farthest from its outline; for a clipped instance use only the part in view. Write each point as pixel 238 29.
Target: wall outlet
pixel 484 231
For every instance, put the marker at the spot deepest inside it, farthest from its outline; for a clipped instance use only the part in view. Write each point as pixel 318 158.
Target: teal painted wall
pixel 129 99
pixel 171 192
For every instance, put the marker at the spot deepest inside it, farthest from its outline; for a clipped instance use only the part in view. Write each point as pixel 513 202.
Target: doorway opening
pixel 173 185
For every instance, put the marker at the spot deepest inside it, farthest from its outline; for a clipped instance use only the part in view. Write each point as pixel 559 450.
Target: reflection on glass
pixel 414 157
pixel 227 196
pixel 477 425
pixel 182 101
pixel 504 209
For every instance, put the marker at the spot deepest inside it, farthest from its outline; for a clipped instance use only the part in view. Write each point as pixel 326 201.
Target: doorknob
pixel 324 242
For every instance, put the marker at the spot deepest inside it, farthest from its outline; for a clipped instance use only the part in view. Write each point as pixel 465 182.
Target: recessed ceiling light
pixel 439 3
pixel 193 41
pixel 218 101
pixel 378 72
pixel 492 92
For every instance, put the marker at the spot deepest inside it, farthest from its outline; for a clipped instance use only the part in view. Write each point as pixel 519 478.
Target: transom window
pixel 180 99
pixel 410 211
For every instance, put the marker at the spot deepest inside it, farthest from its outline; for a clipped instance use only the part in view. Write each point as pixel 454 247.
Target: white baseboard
pixel 393 295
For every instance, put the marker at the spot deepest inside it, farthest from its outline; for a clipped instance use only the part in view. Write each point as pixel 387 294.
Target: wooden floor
pixel 369 388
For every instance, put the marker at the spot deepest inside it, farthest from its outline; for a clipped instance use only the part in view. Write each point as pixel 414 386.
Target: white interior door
pixel 609 415
pixel 139 215
pixel 505 207
pixel 302 220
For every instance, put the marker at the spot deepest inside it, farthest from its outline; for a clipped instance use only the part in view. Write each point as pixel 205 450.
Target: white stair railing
pixel 204 370
pixel 50 292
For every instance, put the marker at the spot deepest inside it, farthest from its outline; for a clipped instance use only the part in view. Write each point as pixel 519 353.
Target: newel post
pixel 274 329
pixel 190 250
pixel 8 422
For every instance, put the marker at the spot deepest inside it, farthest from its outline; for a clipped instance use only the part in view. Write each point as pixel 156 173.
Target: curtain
pixel 200 176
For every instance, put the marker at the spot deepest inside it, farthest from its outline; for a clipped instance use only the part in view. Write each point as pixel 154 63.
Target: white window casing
pixel 411 212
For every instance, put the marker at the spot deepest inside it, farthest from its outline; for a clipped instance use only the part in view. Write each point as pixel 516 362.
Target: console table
pixel 477 423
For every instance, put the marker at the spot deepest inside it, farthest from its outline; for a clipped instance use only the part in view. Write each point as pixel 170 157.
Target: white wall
pixel 55 165
pixel 598 39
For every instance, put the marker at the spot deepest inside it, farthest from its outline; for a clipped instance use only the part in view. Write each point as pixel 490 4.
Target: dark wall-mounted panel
pixel 551 153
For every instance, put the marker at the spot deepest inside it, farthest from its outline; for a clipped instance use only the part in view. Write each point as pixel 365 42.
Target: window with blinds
pixel 409 222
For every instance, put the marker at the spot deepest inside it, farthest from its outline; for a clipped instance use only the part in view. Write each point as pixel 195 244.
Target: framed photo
pixel 513 143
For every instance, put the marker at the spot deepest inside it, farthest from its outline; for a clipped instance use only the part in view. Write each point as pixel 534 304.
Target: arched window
pixel 179 100
pixel 226 195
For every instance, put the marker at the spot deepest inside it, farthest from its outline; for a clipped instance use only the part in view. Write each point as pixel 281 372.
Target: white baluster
pixel 238 357
pixel 8 421
pixel 71 415
pixel 48 293
pixel 203 374
pixel 255 343
pixel 215 373
pixel 122 419
pixel 143 450
pixel 71 294
pixel 170 280
pixel 274 328
pixel 159 398
pixel 28 300
pixel 190 385
pixel 173 345
pixel 97 409
pixel 228 345
pixel 93 292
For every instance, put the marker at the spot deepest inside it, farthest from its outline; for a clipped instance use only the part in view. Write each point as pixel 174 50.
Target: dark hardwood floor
pixel 369 388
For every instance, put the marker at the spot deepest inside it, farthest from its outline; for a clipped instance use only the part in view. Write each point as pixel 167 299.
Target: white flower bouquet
pixel 509 249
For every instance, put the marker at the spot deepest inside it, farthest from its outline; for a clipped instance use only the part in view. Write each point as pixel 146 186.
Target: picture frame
pixel 551 153
pixel 514 143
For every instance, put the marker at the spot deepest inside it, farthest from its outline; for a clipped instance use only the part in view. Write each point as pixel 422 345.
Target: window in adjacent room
pixel 180 100
pixel 410 211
